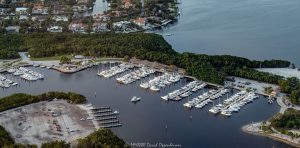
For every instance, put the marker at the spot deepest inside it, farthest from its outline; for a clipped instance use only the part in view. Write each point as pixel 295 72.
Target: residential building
pixel 21 10
pixel 39 9
pixel 61 18
pixel 13 29
pixel 55 29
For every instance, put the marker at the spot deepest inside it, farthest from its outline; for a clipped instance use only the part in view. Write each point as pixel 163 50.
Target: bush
pixel 21 99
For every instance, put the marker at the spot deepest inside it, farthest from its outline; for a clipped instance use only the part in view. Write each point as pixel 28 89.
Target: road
pixel 25 58
pixel 28 60
pixel 283 105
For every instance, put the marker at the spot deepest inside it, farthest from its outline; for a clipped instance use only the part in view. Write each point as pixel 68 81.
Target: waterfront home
pixel 79 57
pixel 60 18
pixel 17 1
pixel 117 13
pixel 127 4
pixel 39 9
pixel 4 10
pixel 12 29
pixel 39 18
pixel 23 18
pixel 82 1
pixel 78 27
pixel 79 8
pixel 58 9
pixel 100 27
pixel 121 25
pixel 21 11
pixel 101 17
pixel 141 22
pixel 55 29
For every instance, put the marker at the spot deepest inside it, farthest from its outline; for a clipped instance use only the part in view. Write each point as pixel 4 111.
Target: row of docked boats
pixel 6 83
pixel 184 91
pixel 161 81
pixel 26 74
pixel 205 98
pixel 135 75
pixel 42 66
pixel 234 103
pixel 114 70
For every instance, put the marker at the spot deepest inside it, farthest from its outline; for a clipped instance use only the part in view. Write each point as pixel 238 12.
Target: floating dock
pixel 110 126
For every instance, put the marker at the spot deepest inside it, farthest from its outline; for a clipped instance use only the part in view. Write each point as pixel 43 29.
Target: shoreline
pixel 258 132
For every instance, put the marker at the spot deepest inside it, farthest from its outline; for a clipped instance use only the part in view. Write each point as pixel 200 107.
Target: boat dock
pixel 111 125
pixel 106 114
pixel 234 103
pixel 206 98
pixel 105 117
pixel 184 91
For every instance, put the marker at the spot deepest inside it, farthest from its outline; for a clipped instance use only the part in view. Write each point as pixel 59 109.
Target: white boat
pixel 135 99
pixel 144 85
pixel 169 34
pixel 165 97
pixel 188 105
pixel 214 110
pixel 12 70
pixel 154 88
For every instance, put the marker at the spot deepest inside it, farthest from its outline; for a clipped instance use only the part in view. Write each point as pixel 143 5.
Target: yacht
pixel 154 88
pixel 165 97
pixel 135 99
pixel 214 110
pixel 144 85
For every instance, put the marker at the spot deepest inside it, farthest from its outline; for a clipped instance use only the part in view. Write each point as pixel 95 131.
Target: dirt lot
pixel 46 121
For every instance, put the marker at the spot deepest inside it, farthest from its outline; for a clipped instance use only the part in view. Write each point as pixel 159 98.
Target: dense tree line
pixel 17 100
pixel 291 86
pixel 9 47
pixel 5 138
pixel 98 139
pixel 56 144
pixel 289 120
pixel 101 138
pixel 146 46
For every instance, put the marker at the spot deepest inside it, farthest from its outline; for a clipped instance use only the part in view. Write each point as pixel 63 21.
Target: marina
pixel 184 91
pixel 205 98
pixel 26 74
pixel 234 103
pixel 135 75
pixel 136 117
pixel 161 81
pixel 112 71
pixel 6 83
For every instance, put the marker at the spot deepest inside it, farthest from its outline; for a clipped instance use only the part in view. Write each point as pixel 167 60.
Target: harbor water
pixel 153 120
pixel 256 29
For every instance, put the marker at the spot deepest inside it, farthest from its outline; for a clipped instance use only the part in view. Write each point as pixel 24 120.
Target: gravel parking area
pixel 47 121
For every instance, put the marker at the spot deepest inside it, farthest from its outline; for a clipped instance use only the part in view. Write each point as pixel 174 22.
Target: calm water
pixel 257 29
pixel 146 120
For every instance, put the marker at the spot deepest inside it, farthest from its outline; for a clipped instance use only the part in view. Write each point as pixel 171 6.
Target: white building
pixel 55 29
pixel 21 10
